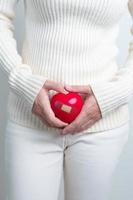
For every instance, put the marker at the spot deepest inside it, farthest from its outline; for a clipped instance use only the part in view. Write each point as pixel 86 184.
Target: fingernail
pixel 66 92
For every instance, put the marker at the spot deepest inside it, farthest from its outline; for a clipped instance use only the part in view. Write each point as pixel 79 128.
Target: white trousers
pixel 35 160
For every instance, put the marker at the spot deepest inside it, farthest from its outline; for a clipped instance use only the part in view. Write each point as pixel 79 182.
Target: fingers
pixel 87 125
pixel 43 109
pixel 52 119
pixel 78 88
pixel 77 123
pixel 47 112
pixel 43 120
pixel 57 86
pixel 49 115
pixel 76 129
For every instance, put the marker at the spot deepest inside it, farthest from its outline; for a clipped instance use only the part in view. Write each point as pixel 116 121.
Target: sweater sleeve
pixel 20 77
pixel 119 90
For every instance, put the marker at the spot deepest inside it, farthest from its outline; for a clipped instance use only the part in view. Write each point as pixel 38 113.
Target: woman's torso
pixel 73 41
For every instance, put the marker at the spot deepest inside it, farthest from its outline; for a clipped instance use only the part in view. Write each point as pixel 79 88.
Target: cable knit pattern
pixel 73 41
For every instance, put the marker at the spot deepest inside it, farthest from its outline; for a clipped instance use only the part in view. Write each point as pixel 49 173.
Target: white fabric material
pixel 35 160
pixel 71 41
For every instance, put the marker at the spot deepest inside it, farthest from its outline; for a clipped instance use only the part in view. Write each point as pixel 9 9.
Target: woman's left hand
pixel 89 114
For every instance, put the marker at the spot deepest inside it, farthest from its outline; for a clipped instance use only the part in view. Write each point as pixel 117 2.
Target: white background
pixel 123 179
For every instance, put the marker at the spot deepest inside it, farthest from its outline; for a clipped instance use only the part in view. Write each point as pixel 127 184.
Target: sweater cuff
pixel 110 95
pixel 32 88
pixel 26 85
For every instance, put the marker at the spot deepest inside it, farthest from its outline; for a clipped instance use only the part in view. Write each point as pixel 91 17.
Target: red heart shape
pixel 66 106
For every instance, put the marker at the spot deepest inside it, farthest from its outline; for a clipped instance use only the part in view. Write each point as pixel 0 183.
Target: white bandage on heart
pixel 66 108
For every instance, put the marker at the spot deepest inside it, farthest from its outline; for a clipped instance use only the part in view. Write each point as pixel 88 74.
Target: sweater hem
pixel 19 113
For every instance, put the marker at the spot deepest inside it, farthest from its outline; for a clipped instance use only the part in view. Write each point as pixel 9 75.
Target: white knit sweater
pixel 73 41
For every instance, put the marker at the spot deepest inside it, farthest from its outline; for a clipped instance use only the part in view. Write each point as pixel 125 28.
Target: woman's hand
pixel 42 107
pixel 89 114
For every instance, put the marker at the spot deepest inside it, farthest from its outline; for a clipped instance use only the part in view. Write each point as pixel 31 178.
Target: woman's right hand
pixel 42 107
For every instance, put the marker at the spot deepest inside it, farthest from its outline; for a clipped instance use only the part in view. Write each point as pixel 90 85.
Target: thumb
pixel 78 88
